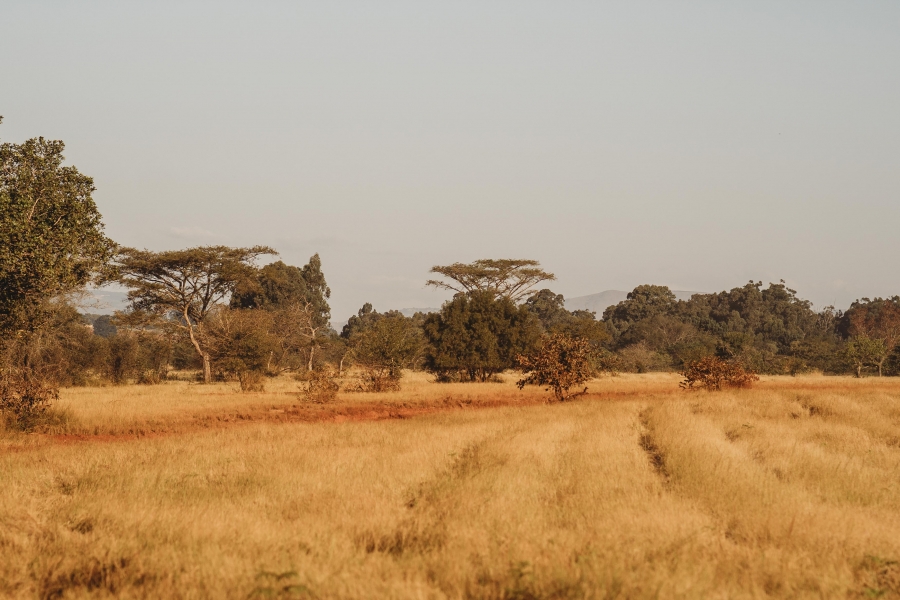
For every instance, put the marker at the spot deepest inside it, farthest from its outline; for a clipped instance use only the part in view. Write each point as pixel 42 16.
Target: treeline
pixel 213 311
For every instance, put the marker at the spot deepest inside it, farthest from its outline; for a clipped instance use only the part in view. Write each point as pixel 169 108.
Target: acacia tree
pixel 504 278
pixel 189 283
pixel 51 233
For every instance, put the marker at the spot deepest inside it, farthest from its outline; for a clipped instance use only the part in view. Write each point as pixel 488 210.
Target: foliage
pixel 504 278
pixel 874 329
pixel 560 363
pixel 51 233
pixel 240 344
pixel 278 286
pixel 477 335
pixel 550 310
pixel 771 330
pixel 299 299
pixel 382 345
pixel 189 283
pixel 714 373
pixel 862 351
pixel 320 387
pixel 24 401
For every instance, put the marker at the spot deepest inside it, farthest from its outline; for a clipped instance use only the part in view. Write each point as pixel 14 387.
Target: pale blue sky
pixel 694 144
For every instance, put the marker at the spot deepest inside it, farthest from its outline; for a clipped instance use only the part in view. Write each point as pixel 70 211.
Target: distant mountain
pixel 600 302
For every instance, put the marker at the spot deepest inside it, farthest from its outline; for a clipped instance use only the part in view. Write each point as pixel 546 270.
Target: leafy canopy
pixel 505 278
pixel 51 233
pixel 188 282
pixel 476 336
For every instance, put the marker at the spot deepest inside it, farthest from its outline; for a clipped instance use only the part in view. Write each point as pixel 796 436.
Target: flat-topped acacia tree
pixel 188 282
pixel 505 277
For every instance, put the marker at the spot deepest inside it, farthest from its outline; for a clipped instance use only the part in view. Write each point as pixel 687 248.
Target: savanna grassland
pixel 637 490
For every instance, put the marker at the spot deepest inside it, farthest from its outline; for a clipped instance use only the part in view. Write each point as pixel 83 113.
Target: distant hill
pixel 600 302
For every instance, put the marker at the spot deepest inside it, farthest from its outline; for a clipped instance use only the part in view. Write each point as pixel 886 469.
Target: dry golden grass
pixel 639 490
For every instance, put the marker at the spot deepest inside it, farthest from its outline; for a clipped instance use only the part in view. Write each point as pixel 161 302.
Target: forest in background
pixel 212 313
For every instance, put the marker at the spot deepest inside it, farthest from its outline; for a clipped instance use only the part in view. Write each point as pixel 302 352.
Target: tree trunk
pixel 207 369
pixel 309 366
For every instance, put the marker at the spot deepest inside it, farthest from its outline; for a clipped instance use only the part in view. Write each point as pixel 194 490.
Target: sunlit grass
pixel 638 490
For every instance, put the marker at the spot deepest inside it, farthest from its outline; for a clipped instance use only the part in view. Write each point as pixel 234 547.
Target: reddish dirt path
pixel 301 413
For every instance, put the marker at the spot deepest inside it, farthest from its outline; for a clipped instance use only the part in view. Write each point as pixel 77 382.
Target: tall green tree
pixel 186 284
pixel 478 335
pixel 299 297
pixel 51 233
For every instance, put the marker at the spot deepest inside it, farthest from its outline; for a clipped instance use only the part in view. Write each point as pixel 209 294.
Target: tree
pixel 862 351
pixel 504 278
pixel 239 343
pixel 51 233
pixel 877 320
pixel 188 283
pixel 642 302
pixel 299 297
pixel 477 335
pixel 384 347
pixel 560 363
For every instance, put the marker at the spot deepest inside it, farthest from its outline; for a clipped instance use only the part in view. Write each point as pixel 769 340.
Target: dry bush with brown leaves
pixel 561 363
pixel 321 387
pixel 714 373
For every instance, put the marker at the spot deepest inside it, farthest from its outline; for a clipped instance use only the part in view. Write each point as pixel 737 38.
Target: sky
pixel 693 144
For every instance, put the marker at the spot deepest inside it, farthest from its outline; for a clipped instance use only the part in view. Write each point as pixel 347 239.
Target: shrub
pixel 373 380
pixel 560 363
pixel 320 387
pixel 24 402
pixel 714 373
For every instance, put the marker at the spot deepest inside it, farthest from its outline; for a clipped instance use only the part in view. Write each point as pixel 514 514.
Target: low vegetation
pixel 635 490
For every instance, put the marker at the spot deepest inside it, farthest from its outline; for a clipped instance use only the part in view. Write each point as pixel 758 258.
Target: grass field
pixel 637 490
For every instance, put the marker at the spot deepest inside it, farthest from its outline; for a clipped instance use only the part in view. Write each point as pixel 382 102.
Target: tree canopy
pixel 51 233
pixel 188 282
pixel 504 278
pixel 477 335
pixel 278 286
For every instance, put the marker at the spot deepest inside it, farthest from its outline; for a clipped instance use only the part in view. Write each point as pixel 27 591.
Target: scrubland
pixel 637 490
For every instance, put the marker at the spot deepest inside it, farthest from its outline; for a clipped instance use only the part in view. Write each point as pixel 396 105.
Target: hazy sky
pixel 693 144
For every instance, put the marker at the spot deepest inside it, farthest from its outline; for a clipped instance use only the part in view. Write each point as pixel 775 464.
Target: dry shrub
pixel 251 381
pixel 714 373
pixel 24 402
pixel 321 387
pixel 375 380
pixel 561 363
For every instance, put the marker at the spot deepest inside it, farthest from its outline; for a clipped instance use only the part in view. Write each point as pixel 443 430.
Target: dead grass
pixel 638 490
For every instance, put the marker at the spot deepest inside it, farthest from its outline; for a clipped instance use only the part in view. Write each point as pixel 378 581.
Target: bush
pixel 320 387
pixel 713 373
pixel 24 402
pixel 372 380
pixel 561 363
